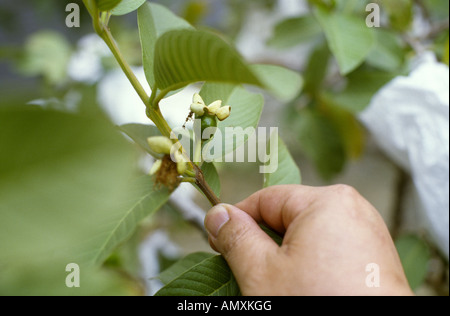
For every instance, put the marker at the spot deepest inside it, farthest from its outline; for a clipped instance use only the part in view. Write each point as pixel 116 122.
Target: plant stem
pixel 154 113
pixel 156 116
pixel 109 40
pixel 204 187
pixel 150 102
pixel 190 174
pixel 189 180
pixel 165 92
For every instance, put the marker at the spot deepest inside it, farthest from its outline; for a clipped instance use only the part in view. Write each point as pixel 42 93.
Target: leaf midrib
pixel 182 276
pixel 116 228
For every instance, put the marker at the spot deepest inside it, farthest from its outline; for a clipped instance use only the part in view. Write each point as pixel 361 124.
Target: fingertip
pixel 232 230
pixel 216 218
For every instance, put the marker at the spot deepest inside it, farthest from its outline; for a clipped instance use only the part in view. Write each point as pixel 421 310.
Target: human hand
pixel 331 234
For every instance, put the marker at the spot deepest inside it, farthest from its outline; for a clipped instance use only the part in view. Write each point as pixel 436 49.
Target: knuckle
pixel 348 197
pixel 345 190
pixel 345 193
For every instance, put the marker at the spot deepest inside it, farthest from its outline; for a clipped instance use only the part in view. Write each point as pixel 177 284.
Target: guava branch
pixel 204 187
pixel 151 102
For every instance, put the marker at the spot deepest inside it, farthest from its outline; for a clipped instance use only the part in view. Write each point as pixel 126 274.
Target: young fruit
pixel 208 120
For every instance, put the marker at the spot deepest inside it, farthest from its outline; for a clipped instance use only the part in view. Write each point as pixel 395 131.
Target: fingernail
pixel 215 219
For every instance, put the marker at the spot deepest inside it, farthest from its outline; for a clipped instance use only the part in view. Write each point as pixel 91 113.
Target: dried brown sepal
pixel 190 117
pixel 167 174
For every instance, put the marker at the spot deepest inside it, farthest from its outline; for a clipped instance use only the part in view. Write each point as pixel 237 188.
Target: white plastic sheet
pixel 409 119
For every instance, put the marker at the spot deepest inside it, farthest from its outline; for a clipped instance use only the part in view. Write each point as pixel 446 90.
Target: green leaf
pixel 212 177
pixel 347 125
pixel 211 92
pixel 154 20
pixel 127 6
pixel 349 38
pixel 321 142
pixel 46 53
pixel 91 6
pixel 62 179
pixel 415 255
pixel 195 11
pixel 352 6
pixel 438 9
pixel 362 85
pixel 246 109
pixel 283 83
pixel 187 56
pixel 107 5
pixel 203 274
pixel 387 54
pixel 317 68
pixel 324 4
pixel 149 200
pixel 140 133
pixel 209 277
pixel 31 278
pixel 400 13
pixel 287 171
pixel 181 266
pixel 294 31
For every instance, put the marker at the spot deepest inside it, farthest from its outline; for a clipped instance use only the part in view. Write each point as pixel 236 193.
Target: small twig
pixel 188 180
pixel 437 27
pixel 205 188
pixel 414 43
pixel 151 102
pixel 417 43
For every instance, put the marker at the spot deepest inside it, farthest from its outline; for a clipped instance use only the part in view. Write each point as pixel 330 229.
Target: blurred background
pixel 353 128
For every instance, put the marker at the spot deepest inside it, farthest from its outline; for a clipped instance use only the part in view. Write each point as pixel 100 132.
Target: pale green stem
pixel 107 37
pixel 190 173
pixel 189 180
pixel 153 112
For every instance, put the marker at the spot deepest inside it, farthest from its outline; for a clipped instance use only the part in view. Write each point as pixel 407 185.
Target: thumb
pixel 237 236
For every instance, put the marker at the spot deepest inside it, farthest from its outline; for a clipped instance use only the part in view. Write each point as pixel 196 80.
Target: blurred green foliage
pixel 46 53
pixel 62 177
pixel 366 58
pixel 415 255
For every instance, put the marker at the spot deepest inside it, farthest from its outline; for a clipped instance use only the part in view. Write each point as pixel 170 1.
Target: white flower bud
pixel 160 144
pixel 223 113
pixel 198 99
pixel 214 107
pixel 198 109
pixel 156 166
pixel 177 156
pixel 182 167
pixel 182 162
